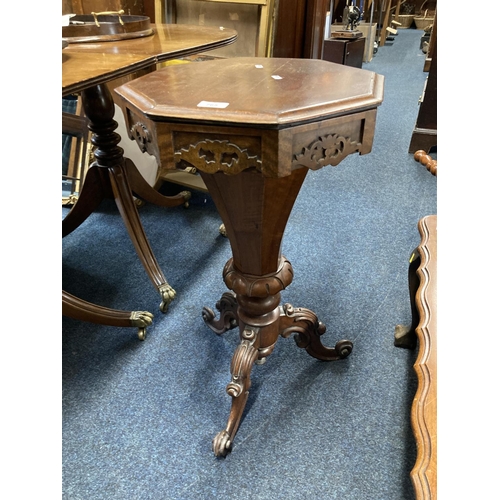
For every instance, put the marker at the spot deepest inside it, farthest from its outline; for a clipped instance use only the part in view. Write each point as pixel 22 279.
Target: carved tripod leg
pixel 227 306
pixel 308 330
pixel 241 365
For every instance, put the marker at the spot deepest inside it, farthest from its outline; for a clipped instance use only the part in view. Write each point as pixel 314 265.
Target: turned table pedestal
pixel 87 68
pixel 253 128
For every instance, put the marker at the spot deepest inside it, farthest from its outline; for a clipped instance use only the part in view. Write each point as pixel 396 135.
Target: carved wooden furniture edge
pixel 155 112
pixel 160 110
pixel 424 408
pixel 319 147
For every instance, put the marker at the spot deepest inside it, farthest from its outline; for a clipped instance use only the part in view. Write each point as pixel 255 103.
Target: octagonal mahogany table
pixel 254 128
pixel 87 68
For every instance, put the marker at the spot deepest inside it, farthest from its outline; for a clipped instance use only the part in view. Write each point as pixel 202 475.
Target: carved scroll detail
pixel 243 359
pixel 308 330
pixel 228 320
pixel 211 156
pixel 141 135
pixel 327 150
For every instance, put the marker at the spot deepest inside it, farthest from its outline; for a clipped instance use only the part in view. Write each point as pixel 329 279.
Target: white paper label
pixel 211 104
pixel 277 77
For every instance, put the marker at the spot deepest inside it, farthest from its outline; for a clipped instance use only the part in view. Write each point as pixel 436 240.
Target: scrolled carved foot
pixel 222 444
pixel 227 306
pixel 141 319
pixel 308 330
pixel 167 294
pixel 344 348
pixel 238 388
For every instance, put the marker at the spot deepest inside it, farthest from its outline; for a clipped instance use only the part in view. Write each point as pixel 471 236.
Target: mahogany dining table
pixel 87 70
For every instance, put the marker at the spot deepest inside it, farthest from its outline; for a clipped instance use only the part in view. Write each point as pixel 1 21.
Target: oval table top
pixel 87 64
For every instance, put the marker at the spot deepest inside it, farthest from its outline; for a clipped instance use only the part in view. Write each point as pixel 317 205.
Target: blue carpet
pixel 138 417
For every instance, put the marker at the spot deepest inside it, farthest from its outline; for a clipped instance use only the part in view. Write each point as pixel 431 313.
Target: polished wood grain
pixel 298 28
pixel 270 92
pixel 422 281
pixel 424 134
pixel 77 308
pixel 254 130
pixel 87 68
pixel 426 160
pixel 424 408
pixel 88 64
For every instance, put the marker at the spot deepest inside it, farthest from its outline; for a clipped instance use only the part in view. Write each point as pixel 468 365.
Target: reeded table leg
pixel 76 308
pixel 108 177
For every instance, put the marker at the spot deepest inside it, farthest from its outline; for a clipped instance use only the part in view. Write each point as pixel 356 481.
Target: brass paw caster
pixel 141 319
pixel 167 294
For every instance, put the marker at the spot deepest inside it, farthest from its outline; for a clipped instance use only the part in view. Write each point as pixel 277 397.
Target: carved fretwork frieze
pixel 141 134
pixel 211 156
pixel 327 150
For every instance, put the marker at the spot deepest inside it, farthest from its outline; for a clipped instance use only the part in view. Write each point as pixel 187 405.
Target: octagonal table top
pixel 268 92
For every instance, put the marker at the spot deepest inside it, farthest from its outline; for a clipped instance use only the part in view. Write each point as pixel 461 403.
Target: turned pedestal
pixel 254 128
pixel 87 68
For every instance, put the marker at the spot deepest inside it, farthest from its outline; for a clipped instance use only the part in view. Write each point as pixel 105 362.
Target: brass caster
pixel 187 196
pixel 167 294
pixel 222 230
pixel 141 319
pixel 141 334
